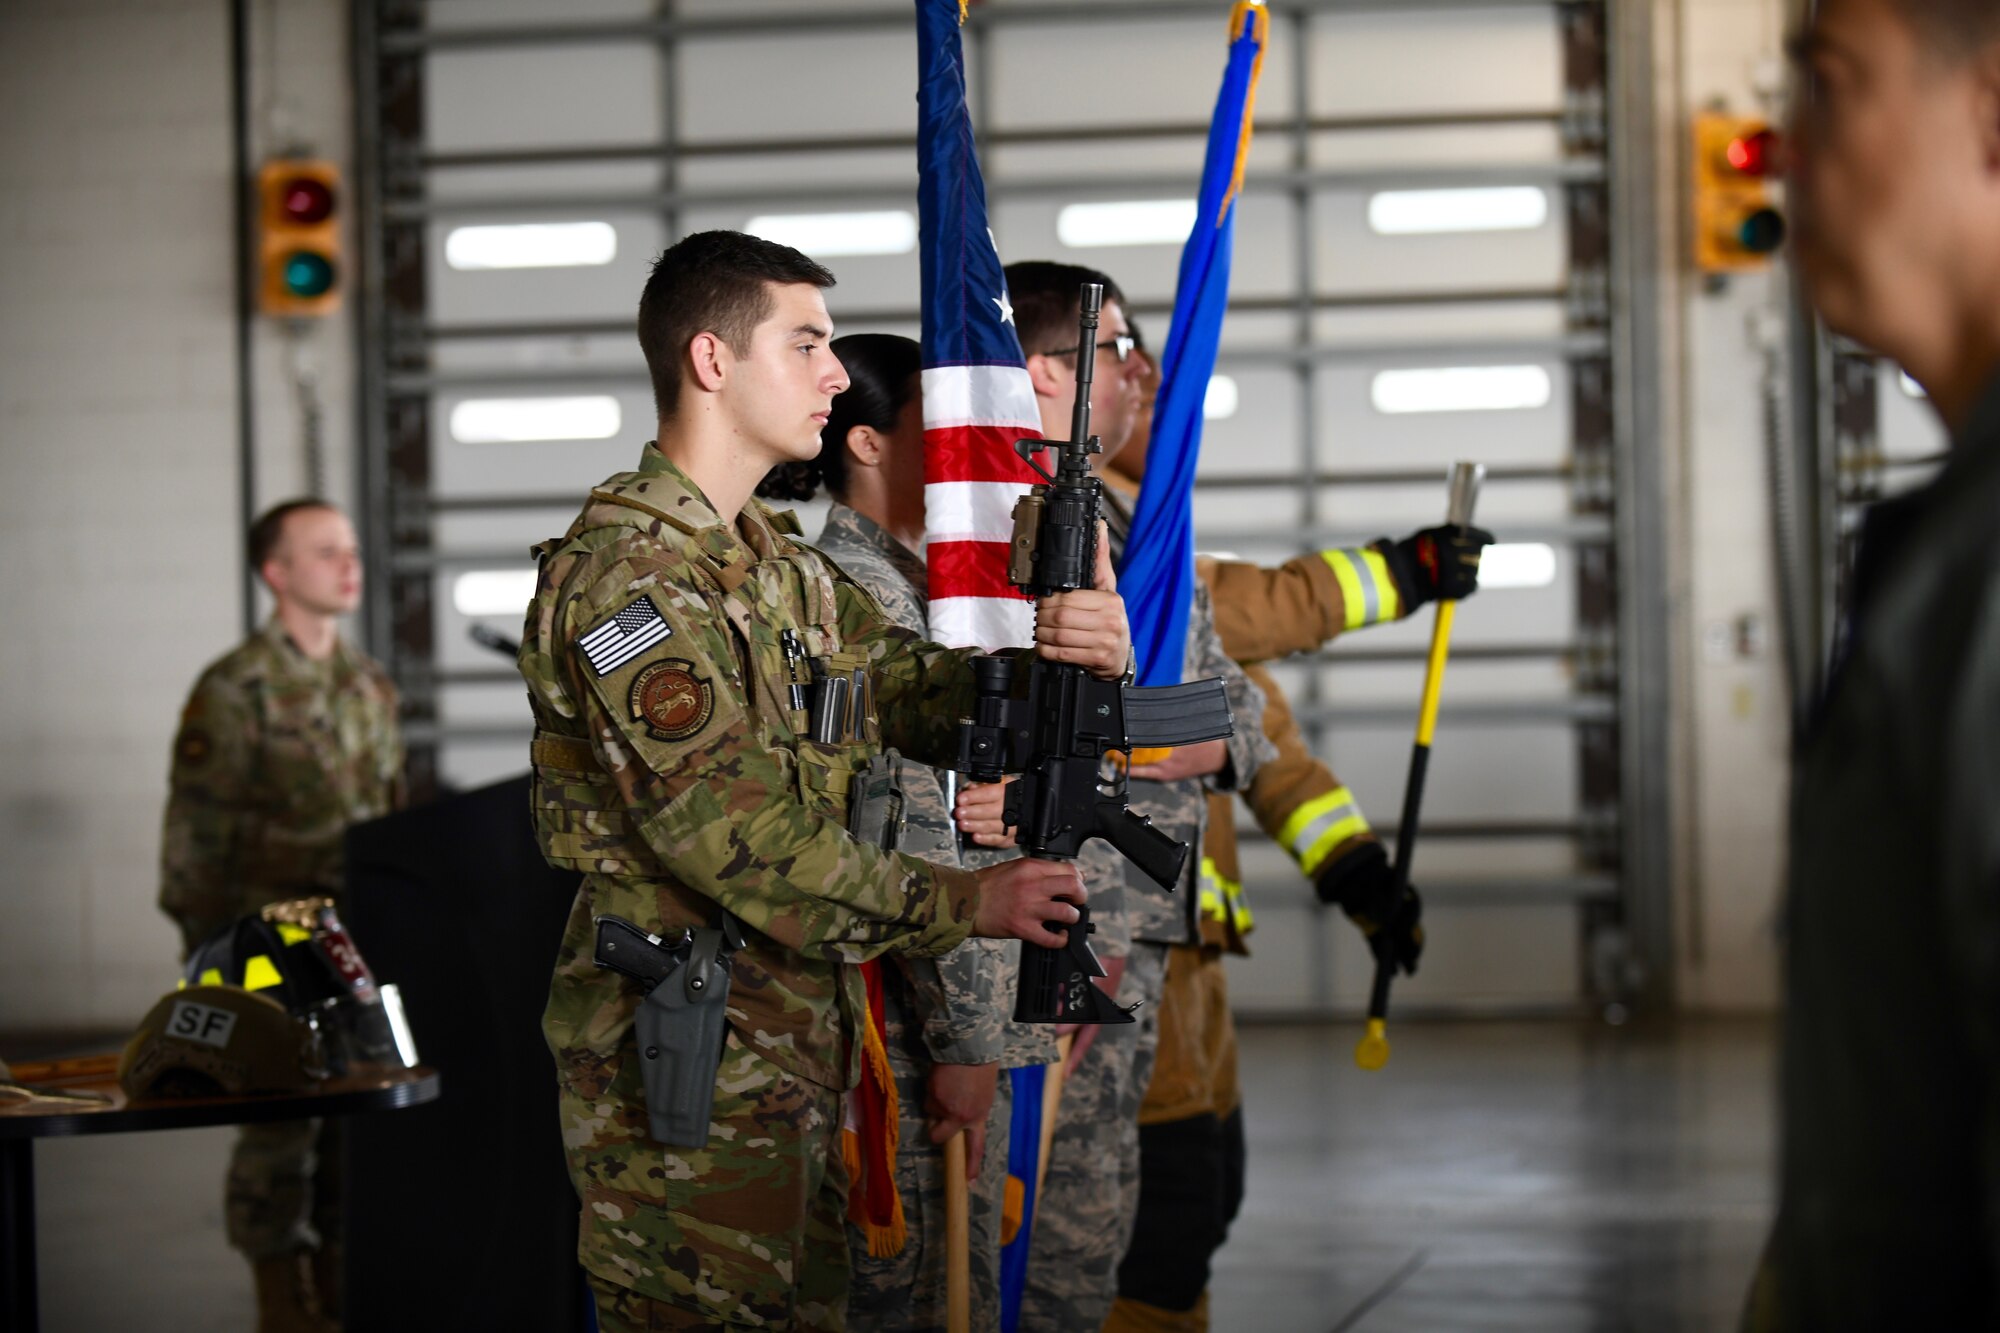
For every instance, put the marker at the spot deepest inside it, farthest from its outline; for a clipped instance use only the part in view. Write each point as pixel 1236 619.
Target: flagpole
pixel 1052 1087
pixel 957 1237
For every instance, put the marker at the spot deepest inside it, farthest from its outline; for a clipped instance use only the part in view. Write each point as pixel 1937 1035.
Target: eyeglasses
pixel 1121 347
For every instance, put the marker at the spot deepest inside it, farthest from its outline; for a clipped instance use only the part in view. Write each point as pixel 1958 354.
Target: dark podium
pixel 459 1214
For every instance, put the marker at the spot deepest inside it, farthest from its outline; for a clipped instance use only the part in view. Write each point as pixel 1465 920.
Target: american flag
pixel 978 399
pixel 623 637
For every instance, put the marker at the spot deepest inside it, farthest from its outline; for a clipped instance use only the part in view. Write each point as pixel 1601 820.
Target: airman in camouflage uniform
pixel 947 1011
pixel 276 756
pixel 671 770
pixel 278 752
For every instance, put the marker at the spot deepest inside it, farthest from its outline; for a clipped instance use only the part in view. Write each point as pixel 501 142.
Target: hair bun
pixel 790 481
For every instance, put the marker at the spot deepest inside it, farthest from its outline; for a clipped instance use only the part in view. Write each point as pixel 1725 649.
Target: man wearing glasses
pixel 1084 1217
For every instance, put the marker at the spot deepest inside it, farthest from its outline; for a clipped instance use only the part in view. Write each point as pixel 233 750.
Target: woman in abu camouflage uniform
pixel 946 1026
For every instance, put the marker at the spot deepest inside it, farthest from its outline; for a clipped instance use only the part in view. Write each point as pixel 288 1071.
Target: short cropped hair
pixel 712 282
pixel 1043 294
pixel 269 529
pixel 1953 28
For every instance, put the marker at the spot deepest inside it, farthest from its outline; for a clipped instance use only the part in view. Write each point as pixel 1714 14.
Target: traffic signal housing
pixel 299 238
pixel 1737 224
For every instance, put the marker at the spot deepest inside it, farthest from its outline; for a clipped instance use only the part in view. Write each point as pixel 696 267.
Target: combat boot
pixel 1130 1316
pixel 285 1299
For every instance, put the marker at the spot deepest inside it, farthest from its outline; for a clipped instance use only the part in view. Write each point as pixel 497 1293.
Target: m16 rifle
pixel 1054 723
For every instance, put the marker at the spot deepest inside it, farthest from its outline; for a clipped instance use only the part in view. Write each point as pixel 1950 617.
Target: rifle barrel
pixel 1090 302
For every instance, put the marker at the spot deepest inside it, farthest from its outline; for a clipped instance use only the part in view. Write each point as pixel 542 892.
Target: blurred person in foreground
pixel 284 742
pixel 1889 1200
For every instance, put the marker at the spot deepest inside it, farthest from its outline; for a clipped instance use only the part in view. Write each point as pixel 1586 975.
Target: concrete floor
pixel 1547 1177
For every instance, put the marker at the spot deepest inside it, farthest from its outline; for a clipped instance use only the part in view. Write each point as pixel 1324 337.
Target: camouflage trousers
pixel 746 1232
pixel 906 1292
pixel 1083 1220
pixel 284 1187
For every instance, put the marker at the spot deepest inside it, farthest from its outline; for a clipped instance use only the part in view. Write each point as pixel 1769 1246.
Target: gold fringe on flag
pixel 883 1241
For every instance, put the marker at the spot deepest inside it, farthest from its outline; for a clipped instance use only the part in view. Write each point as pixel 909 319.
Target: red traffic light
pixel 305 200
pixel 1758 154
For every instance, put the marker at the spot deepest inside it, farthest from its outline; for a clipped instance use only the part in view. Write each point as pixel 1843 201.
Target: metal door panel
pixel 1026 228
pixel 515 295
pixel 1434 60
pixel 1499 957
pixel 1354 435
pixel 893 169
pixel 1123 71
pixel 777 85
pixel 458 15
pixel 520 97
pixel 537 467
pixel 1262 436
pixel 1349 257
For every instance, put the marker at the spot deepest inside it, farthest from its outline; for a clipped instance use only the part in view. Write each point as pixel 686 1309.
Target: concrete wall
pixel 119 472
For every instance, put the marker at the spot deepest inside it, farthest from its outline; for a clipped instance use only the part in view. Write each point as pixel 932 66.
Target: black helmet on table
pixel 299 954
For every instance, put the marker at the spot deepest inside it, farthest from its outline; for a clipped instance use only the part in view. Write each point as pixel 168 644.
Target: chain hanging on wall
pixel 304 374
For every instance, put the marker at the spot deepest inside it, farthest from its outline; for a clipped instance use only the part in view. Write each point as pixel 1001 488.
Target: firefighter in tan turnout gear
pixel 284 742
pixel 1191 1122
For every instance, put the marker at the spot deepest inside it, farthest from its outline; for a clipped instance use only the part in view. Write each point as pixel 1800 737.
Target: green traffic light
pixel 307 273
pixel 1762 232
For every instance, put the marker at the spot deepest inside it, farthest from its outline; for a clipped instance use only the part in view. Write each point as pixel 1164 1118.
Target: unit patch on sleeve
pixel 193 748
pixel 618 640
pixel 671 700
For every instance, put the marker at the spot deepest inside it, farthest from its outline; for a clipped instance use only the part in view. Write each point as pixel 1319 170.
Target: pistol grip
pixel 1056 985
pixel 1162 857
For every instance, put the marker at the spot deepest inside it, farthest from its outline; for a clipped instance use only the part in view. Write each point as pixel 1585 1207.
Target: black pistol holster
pixel 682 1021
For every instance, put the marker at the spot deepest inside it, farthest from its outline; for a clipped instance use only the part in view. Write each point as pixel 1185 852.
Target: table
pixel 21 1123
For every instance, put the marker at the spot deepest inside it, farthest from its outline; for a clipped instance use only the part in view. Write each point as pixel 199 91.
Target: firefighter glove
pixel 1389 914
pixel 1437 564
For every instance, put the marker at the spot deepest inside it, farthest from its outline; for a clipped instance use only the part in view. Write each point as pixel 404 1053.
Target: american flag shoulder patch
pixel 612 643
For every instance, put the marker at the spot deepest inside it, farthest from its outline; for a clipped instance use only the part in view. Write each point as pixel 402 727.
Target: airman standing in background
pixel 283 744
